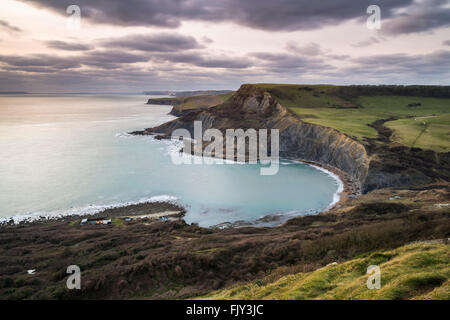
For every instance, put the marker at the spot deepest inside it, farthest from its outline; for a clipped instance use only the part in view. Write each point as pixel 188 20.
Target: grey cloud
pixel 446 43
pixel 436 63
pixel 285 62
pixel 100 59
pixel 8 27
pixel 114 81
pixel 108 59
pixel 424 16
pixel 32 69
pixel 40 60
pixel 309 49
pixel 313 50
pixel 338 56
pixel 207 40
pixel 162 42
pixel 370 41
pixel 431 68
pixel 62 45
pixel 262 14
pixel 117 59
pixel 199 60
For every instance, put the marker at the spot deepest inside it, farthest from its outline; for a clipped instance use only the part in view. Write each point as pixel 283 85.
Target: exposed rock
pixel 253 107
pixel 374 165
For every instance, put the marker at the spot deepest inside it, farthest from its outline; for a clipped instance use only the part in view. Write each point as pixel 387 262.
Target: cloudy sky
pixel 136 45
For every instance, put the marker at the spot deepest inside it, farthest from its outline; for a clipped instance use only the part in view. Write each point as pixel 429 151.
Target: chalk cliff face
pixel 252 107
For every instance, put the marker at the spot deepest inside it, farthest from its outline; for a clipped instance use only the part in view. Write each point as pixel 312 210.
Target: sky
pixel 134 46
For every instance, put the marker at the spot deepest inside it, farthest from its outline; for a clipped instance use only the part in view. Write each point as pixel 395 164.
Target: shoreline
pixel 350 187
pixel 347 188
pixel 146 209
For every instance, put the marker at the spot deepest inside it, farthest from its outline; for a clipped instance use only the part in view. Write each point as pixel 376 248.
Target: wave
pixel 82 211
pixel 122 135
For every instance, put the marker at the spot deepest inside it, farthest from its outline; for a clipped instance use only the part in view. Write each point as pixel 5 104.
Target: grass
pixel 117 222
pixel 194 102
pixel 225 96
pixel 327 105
pixel 432 132
pixel 415 271
pixel 205 251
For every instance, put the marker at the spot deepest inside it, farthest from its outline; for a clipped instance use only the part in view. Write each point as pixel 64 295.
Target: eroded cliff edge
pixel 373 165
pixel 252 107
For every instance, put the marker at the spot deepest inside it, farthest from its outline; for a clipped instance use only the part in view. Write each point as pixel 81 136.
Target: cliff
pixel 253 107
pixel 375 163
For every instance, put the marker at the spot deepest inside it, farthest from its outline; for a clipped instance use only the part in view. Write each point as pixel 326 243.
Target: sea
pixel 66 154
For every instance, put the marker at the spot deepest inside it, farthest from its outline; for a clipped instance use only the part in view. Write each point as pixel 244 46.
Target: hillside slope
pixel 416 271
pixel 173 260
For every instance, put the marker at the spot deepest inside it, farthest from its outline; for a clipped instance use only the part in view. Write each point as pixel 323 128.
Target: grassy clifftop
pixel 416 271
pixel 420 115
pixel 181 104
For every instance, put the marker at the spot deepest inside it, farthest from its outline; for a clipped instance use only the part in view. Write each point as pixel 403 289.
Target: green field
pixel 195 102
pixel 328 106
pixel 416 271
pixel 428 132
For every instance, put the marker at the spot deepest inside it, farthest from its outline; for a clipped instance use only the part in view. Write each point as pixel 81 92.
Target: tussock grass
pixel 415 271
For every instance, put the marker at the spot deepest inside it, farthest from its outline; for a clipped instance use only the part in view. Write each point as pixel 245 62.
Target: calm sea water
pixel 66 154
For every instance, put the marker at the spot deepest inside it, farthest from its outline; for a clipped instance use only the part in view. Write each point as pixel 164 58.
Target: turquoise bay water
pixel 66 154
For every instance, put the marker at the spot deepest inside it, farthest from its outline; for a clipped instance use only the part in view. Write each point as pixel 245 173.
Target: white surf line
pixel 336 195
pixel 340 189
pixel 82 211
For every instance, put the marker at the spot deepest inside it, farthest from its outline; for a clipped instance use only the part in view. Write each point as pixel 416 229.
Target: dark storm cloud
pixel 261 14
pixel 162 42
pixel 62 45
pixel 8 27
pixel 425 16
